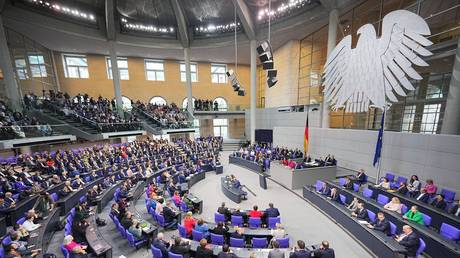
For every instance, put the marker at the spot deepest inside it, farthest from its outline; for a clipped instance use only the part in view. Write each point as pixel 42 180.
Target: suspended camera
pixel 266 59
pixel 235 84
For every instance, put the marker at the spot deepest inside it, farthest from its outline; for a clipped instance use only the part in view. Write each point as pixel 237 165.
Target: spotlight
pixel 272 73
pixel 271 81
pixel 263 47
pixel 241 92
pixel 268 65
pixel 266 58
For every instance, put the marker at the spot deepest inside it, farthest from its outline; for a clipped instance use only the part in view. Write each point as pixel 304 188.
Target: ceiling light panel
pixel 59 9
pixel 281 10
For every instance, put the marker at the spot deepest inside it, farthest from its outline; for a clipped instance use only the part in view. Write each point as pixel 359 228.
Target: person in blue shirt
pixel 202 227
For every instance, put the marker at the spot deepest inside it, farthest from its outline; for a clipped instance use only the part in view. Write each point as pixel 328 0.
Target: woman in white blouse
pixel 394 205
pixel 385 184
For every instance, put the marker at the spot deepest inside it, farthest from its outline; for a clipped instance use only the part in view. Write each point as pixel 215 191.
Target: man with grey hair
pixel 161 244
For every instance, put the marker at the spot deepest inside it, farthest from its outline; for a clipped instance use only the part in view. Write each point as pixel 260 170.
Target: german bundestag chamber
pixel 229 128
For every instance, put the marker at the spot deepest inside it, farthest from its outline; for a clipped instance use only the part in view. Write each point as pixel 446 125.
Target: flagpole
pixel 379 168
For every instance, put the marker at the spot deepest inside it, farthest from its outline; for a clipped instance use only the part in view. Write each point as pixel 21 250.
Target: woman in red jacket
pixel 189 223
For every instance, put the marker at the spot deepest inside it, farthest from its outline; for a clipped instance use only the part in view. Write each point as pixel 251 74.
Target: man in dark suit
pixel 423 196
pixel 410 240
pixel 381 224
pixel 170 215
pixel 455 209
pixel 271 211
pixel 220 229
pixel 299 251
pixel 224 210
pixel 360 212
pixel 202 251
pixel 238 233
pixel 226 252
pixel 181 247
pixel 439 202
pixel 159 243
pixel 324 251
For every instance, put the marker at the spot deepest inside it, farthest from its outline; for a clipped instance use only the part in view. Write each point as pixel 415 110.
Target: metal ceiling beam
pixel 181 23
pixel 246 18
pixel 110 19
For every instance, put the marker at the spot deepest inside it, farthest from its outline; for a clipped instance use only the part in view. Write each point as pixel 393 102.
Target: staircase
pixel 149 125
pixel 231 144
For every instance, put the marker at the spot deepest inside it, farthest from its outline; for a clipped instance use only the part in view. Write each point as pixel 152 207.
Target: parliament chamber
pixel 229 128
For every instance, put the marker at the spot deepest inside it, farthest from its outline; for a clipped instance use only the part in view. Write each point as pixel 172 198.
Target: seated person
pixel 67 189
pixel 8 201
pixel 439 202
pixel 455 209
pixel 220 229
pixel 410 240
pixel 324 251
pixel 333 194
pixel 21 231
pixel 384 184
pixel 360 212
pixel 325 190
pixel 275 252
pixel 29 224
pixel 361 177
pixel 136 230
pixel 224 210
pixel 423 196
pixel 79 231
pixel 278 232
pixel 348 184
pixel 181 246
pixel 226 252
pixel 381 224
pixel 255 213
pixel 114 211
pixel 12 251
pixel 189 223
pixel 176 198
pixel 21 245
pixel 394 205
pixel 402 189
pixel 202 251
pixel 300 251
pixel 238 233
pixel 202 227
pixel 127 220
pixel 75 250
pixel 414 186
pixel 161 244
pixel 271 211
pixel 170 215
pixel 430 187
pixel 353 205
pixel 414 215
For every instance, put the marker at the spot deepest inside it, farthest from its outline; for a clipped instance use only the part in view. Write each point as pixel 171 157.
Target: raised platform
pixel 16 143
pixel 298 178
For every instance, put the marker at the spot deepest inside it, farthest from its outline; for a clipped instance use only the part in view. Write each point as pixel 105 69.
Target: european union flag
pixel 378 147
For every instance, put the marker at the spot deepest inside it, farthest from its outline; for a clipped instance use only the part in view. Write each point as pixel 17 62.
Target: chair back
pixel 371 215
pixel 404 208
pixel 319 185
pixel 161 220
pixel 382 199
pixel 197 235
pixel 237 221
pixel 421 248
pixel 259 242
pixel 400 180
pixel 156 252
pixel 182 231
pixel 393 228
pixel 217 239
pixel 343 199
pixel 236 242
pixel 65 252
pixel 87 179
pixel 254 222
pixel 183 206
pixel 6 241
pixel 83 199
pixel 426 219
pixel 367 192
pixel 342 181
pixel 219 217
pixel 390 176
pixel 450 232
pixel 130 238
pixel 355 187
pixel 55 197
pixel 284 242
pixel 21 220
pixel 272 222
pixel 173 255
pixel 2 252
pixel 448 195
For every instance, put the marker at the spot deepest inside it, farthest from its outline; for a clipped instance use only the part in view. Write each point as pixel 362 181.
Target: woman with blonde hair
pixel 394 205
pixel 75 249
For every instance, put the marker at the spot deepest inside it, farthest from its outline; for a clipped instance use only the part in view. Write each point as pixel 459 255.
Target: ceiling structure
pixel 162 28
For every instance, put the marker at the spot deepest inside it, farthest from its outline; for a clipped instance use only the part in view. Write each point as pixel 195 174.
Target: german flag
pixel 305 137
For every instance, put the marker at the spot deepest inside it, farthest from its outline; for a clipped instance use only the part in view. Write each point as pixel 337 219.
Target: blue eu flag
pixel 378 146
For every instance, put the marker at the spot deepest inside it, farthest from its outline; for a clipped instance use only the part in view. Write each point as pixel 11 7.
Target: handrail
pixel 148 115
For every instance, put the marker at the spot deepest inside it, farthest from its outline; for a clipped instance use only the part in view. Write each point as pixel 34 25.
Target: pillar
pixel 9 78
pixel 451 121
pixel 253 72
pixel 188 80
pixel 116 77
pixel 331 42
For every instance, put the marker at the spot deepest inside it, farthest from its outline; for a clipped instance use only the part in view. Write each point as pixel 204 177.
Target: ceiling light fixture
pixel 150 28
pixel 282 10
pixel 55 7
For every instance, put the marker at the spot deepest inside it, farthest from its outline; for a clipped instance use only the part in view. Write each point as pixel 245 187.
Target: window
pixel 193 72
pixel 158 101
pixel 126 103
pixel 154 70
pixel 75 66
pixel 430 118
pixel 220 127
pixel 21 68
pixel 185 103
pixel 218 73
pixel 408 118
pixel 221 104
pixel 122 68
pixel 37 66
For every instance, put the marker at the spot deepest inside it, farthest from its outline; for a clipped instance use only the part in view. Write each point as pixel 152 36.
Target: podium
pixel 263 181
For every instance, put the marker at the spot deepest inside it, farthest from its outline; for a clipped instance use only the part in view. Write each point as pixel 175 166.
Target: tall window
pixel 430 118
pixel 185 103
pixel 218 73
pixel 193 72
pixel 37 65
pixel 75 66
pixel 122 63
pixel 21 68
pixel 221 104
pixel 158 101
pixel 220 127
pixel 154 70
pixel 408 118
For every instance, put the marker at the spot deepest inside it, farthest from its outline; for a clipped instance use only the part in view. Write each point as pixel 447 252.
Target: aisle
pixel 301 220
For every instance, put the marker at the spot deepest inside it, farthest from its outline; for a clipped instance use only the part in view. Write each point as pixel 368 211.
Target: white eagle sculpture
pixel 367 75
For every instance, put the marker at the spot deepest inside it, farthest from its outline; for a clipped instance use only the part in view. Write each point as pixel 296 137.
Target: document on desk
pixel 363 222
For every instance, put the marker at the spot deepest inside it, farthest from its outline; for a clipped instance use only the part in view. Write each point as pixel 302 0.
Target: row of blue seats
pixel 253 222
